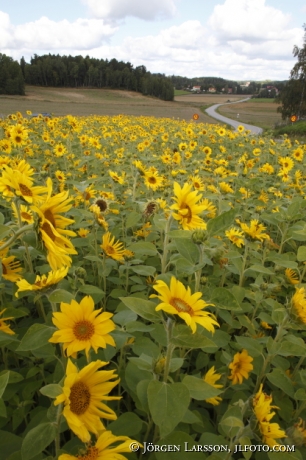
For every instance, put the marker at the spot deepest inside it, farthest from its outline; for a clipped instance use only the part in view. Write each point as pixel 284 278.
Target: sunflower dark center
pixel 25 215
pixel 48 230
pixel 4 270
pixel 91 454
pixel 110 250
pixel 50 217
pixel 102 204
pixel 79 398
pixel 25 191
pixel 187 215
pixel 181 306
pixel 152 180
pixel 83 330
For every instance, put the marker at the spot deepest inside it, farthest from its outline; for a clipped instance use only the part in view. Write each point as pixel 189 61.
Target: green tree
pixel 11 78
pixel 293 95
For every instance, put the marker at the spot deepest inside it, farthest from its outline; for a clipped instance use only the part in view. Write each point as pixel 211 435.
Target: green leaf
pixel 251 345
pixel 3 382
pixel 9 443
pixel 260 269
pixel 221 223
pixel 52 391
pixel 188 249
pixel 16 312
pixel 60 295
pixel 133 219
pixel 144 270
pixel 168 404
pixel 128 424
pixel 88 289
pixel 224 299
pixel 37 439
pixel 280 380
pixel 183 337
pixel 5 339
pixel 199 389
pixel 142 248
pixel 301 254
pixel 142 307
pixel 4 230
pixel 144 362
pixel 36 337
pixel 292 346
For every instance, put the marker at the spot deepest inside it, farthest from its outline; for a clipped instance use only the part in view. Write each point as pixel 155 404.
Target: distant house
pixel 273 88
pixel 212 89
pixel 196 88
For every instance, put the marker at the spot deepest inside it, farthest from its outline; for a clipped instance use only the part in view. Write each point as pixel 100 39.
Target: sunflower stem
pixel 57 424
pixel 245 257
pixel 169 328
pixel 25 228
pixel 165 245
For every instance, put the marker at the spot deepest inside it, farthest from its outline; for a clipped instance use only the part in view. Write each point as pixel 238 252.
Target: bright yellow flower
pixel 112 249
pixel 42 282
pixel 102 450
pixel 299 303
pixel 11 269
pixel 212 377
pixel 152 180
pixel 177 300
pixel 292 276
pixel 5 327
pixel 187 208
pixel 81 327
pixel 235 236
pixel 83 393
pixel 240 367
pixel 254 230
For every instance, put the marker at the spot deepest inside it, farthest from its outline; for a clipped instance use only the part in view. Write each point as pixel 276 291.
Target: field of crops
pixel 152 292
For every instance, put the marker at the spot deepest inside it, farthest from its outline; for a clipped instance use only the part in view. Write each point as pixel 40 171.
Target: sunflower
pixel 240 367
pixel 81 327
pixel 5 327
pixel 42 282
pixel 82 395
pixel 116 177
pixel 240 128
pixel 255 230
pixel 52 228
pixel 11 269
pixel 299 303
pixel 152 180
pixel 187 207
pixel 14 183
pixel 292 276
pixel 25 213
pixel 112 249
pixel 177 300
pixel 103 450
pixel 262 409
pixel 83 232
pixel 235 236
pixel 212 377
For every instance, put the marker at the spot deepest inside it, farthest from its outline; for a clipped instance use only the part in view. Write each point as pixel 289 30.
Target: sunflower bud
pixel 199 236
pixel 81 272
pixel 160 365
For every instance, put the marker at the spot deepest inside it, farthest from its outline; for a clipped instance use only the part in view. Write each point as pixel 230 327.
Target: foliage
pixel 120 237
pixel 293 95
pixel 11 78
pixel 77 71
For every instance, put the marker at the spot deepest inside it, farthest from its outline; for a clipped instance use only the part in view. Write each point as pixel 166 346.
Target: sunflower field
pixel 152 291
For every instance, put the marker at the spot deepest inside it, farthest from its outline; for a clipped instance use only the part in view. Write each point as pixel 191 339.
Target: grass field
pixel 258 112
pixel 84 102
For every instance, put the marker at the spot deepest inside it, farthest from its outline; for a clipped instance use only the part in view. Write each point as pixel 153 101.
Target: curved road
pixel 211 111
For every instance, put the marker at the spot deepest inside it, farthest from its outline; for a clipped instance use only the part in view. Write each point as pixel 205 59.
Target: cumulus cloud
pixel 45 34
pixel 120 9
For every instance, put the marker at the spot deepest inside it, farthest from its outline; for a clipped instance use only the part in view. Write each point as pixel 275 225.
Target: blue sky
pixel 238 39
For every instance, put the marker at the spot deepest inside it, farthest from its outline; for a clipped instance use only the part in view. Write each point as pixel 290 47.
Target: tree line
pixel 87 72
pixel 11 77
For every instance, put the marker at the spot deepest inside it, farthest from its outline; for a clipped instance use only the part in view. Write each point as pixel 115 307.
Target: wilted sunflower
pixel 81 327
pixel 187 208
pixel 240 367
pixel 177 300
pixel 112 249
pixel 82 395
pixel 102 450
pixel 42 282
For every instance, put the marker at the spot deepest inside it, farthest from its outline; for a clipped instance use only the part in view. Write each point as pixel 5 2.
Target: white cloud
pixel 248 20
pixel 45 34
pixel 120 9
